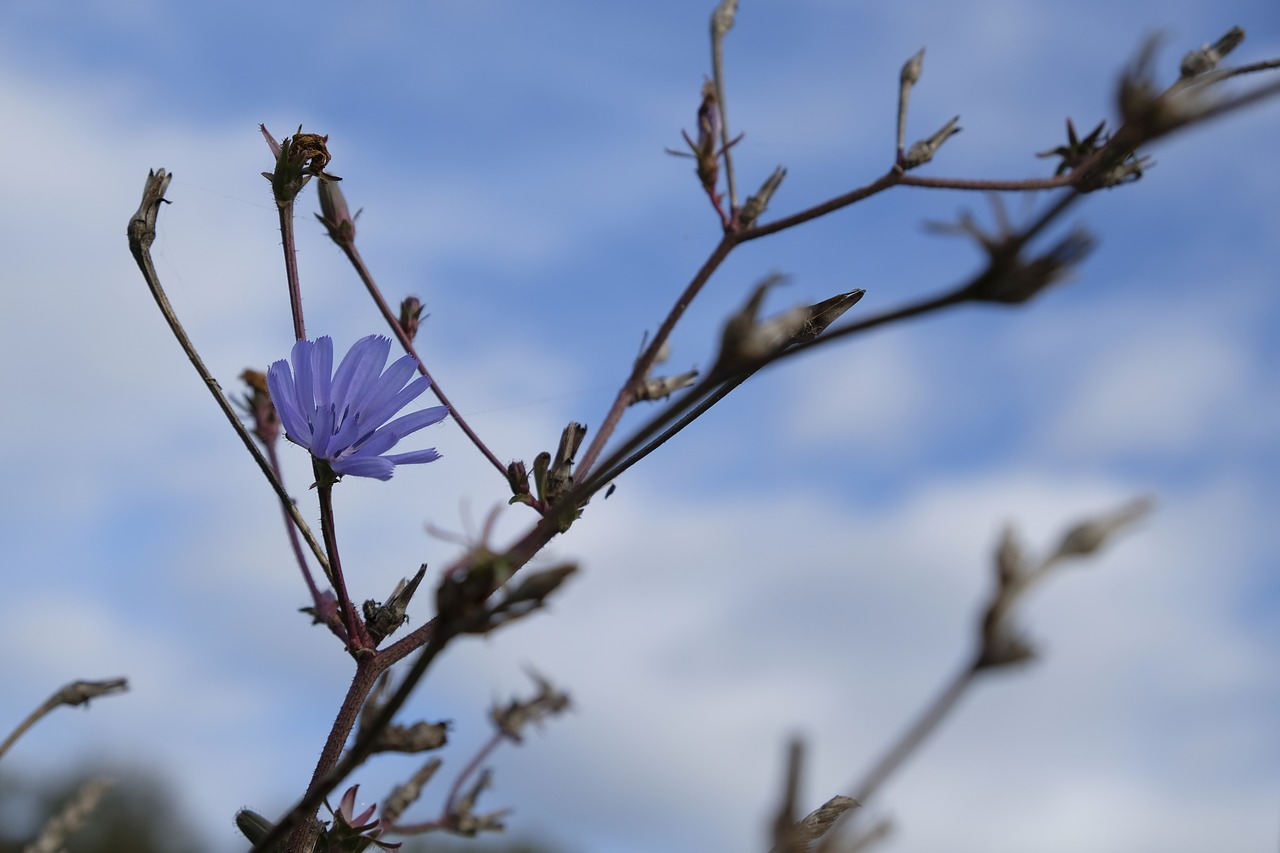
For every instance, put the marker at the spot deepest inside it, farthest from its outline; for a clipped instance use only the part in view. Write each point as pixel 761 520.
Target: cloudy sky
pixel 806 560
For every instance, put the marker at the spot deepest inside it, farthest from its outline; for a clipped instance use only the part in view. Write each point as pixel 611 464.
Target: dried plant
pixel 348 419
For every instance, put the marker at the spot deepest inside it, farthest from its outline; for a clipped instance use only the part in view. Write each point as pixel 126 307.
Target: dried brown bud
pixel 335 215
pixel 257 404
pixel 922 152
pixel 410 316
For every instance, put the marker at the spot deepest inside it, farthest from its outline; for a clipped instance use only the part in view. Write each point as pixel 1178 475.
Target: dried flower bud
pixel 1207 58
pixel 334 214
pixel 410 316
pixel 299 158
pixel 922 152
pixel 1088 536
pixel 748 340
pixel 1009 568
pixel 756 204
pixel 518 479
pixel 664 386
pixel 419 737
pixel 560 474
pixel 823 314
pixel 722 18
pixel 257 403
pixel 911 70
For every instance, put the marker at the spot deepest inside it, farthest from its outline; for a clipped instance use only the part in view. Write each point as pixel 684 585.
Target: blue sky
pixel 808 559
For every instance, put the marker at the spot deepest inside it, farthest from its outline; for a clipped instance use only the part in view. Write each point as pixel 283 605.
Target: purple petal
pixel 364 466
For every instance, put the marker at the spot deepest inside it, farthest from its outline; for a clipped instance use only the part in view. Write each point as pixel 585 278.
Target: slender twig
pixel 924 725
pixel 353 255
pixel 75 693
pixel 721 22
pixel 359 641
pixel 285 209
pixel 626 394
pixel 317 597
pixel 142 233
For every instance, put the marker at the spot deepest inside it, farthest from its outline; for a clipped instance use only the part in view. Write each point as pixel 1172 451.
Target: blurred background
pixel 808 559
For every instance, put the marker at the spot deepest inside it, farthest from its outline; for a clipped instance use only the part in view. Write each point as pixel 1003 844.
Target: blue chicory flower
pixel 343 417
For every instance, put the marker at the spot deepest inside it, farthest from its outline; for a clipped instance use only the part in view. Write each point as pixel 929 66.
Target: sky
pixel 808 559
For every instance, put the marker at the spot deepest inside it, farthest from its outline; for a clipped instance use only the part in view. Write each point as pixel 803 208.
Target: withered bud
pixel 1088 536
pixel 757 204
pixel 420 737
pixel 299 158
pixel 541 464
pixel 560 475
pixel 382 620
pixel 911 70
pixel 1005 648
pixel 410 315
pixel 403 796
pixel 748 340
pixel 334 214
pixel 1077 150
pixel 534 587
pixel 513 718
pixel 257 404
pixel 1207 58
pixel 80 692
pixel 1009 567
pixel 462 817
pixel 722 17
pixel 1011 280
pixel 922 152
pixel 518 480
pixel 664 386
pixel 823 314
pixel 464 589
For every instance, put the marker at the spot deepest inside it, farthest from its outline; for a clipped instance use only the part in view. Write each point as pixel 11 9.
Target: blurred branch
pixel 72 816
pixel 998 642
pixel 75 693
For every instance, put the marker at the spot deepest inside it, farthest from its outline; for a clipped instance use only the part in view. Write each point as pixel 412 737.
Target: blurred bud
pixel 911 70
pixel 749 341
pixel 1009 558
pixel 335 216
pixel 516 716
pixel 419 737
pixel 1207 58
pixel 922 152
pixel 407 794
pixel 1088 536
pixel 410 315
pixel 758 203
pixel 1077 150
pixel 664 386
pixel 1011 280
pixel 257 403
pixel 722 18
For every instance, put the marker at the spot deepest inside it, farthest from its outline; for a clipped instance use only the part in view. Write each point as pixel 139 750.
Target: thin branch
pixel 721 23
pixel 142 233
pixel 353 255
